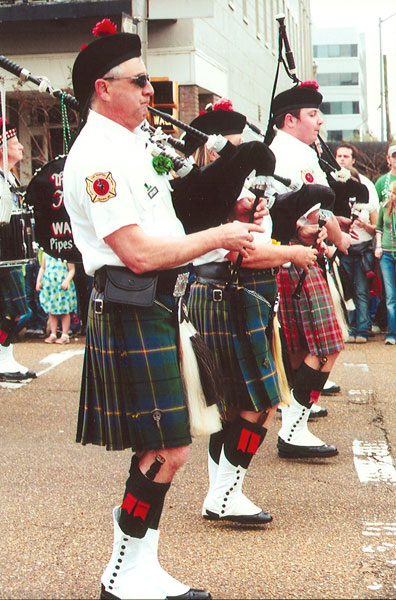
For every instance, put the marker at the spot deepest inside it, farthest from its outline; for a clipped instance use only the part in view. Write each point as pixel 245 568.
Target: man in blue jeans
pixel 359 262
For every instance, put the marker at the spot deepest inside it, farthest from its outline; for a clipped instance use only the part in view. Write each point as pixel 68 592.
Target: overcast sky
pixel 364 15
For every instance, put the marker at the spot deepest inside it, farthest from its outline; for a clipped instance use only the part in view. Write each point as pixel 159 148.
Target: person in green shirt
pixel 382 184
pixel 386 253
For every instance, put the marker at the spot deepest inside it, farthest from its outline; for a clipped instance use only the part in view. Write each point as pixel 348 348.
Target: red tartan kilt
pixel 309 323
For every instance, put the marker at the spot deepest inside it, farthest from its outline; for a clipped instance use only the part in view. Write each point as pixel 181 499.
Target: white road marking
pixel 360 396
pixel 373 462
pixel 53 360
pixel 362 366
pixel 379 549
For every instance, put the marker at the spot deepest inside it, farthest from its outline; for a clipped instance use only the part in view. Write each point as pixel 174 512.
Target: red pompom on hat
pixel 223 104
pixel 309 83
pixel 104 27
pixel 108 50
pixel 10 131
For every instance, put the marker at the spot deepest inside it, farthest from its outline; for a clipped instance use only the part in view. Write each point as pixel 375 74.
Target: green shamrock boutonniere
pixel 162 164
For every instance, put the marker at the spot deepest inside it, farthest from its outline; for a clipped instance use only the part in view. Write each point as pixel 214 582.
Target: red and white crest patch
pixel 307 177
pixel 101 187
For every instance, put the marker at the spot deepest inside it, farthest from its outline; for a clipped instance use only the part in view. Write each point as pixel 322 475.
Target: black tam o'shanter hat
pixel 303 95
pixel 101 55
pixel 219 119
pixel 10 131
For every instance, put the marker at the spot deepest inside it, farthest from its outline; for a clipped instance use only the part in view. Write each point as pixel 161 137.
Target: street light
pixel 380 21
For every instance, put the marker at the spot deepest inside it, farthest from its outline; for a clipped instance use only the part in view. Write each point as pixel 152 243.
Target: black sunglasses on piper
pixel 141 80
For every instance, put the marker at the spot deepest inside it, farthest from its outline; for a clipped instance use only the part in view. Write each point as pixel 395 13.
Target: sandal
pixel 51 339
pixel 64 339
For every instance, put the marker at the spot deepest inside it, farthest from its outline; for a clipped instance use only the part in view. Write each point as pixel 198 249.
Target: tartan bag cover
pixel 309 323
pixel 131 391
pixel 245 364
pixel 13 301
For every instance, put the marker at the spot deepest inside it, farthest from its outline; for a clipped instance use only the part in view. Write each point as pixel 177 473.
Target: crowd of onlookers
pixel 371 259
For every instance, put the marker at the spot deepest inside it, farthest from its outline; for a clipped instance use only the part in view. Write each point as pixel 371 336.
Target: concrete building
pixel 206 49
pixel 340 63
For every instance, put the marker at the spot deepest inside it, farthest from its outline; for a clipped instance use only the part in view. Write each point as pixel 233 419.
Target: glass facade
pixel 335 50
pixel 335 79
pixel 343 107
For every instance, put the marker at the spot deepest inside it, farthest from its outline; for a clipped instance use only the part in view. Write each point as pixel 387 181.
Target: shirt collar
pixel 114 129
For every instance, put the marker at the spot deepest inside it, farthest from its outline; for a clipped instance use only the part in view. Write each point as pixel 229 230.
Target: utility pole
pixel 380 21
pixel 139 12
pixel 386 102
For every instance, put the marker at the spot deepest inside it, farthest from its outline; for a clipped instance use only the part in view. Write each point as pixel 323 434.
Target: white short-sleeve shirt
pixel 109 182
pixel 297 161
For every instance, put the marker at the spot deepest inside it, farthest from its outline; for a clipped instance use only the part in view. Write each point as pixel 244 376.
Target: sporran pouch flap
pixel 123 286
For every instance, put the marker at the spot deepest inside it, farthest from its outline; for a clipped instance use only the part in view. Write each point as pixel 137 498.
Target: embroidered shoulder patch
pixel 307 177
pixel 101 187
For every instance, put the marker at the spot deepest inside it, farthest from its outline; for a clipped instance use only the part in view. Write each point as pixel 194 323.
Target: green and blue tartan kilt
pixel 244 362
pixel 13 301
pixel 131 392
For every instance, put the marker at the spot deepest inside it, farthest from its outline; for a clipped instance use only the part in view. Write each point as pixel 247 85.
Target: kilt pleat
pixel 131 392
pixel 244 362
pixel 13 301
pixel 309 323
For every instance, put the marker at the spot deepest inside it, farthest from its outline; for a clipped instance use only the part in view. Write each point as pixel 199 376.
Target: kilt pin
pixel 250 383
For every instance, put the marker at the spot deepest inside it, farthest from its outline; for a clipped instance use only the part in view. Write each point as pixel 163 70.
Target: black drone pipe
pixel 288 51
pixel 25 75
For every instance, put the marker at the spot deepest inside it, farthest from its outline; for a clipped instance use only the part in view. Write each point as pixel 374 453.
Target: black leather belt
pixel 258 272
pixel 220 272
pixel 165 284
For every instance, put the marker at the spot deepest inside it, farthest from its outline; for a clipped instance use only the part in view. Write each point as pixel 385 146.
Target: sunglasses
pixel 141 80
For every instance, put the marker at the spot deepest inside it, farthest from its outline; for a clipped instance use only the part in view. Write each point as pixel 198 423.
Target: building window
pixel 343 135
pixel 334 79
pixel 340 108
pixel 335 51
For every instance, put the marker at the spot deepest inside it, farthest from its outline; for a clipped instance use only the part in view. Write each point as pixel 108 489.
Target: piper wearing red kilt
pixel 312 333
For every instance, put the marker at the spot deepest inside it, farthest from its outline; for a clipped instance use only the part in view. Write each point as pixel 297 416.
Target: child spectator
pixel 57 295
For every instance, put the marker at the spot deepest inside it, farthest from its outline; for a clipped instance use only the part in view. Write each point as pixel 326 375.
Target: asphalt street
pixel 334 529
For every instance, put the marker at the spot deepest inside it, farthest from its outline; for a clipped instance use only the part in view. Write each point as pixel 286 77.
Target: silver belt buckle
pixel 180 285
pixel 217 295
pixel 98 306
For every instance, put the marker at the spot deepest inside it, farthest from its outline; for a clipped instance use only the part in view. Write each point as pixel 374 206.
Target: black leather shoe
pixel 259 519
pixel 192 594
pixel 286 450
pixel 317 413
pixel 17 376
pixel 334 389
